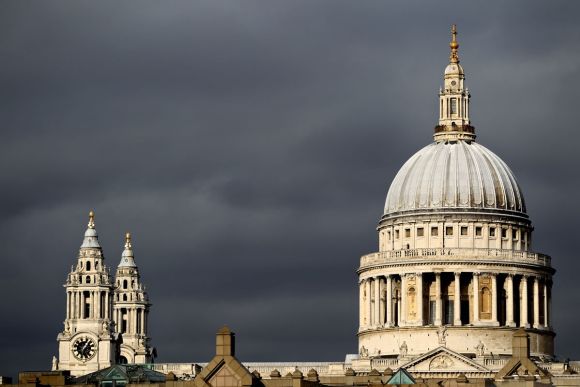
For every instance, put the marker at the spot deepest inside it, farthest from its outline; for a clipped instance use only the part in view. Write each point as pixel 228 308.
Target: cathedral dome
pixel 459 175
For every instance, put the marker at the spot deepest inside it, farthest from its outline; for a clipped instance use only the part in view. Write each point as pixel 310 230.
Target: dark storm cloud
pixel 249 149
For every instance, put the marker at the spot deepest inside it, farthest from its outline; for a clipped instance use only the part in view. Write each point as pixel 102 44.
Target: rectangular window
pixel 388 235
pixel 453 105
pixel 407 233
pixel 448 230
pixel 463 230
pixel 492 232
pixel 420 231
pixel 396 234
pixel 434 231
pixel 478 231
pixel 504 232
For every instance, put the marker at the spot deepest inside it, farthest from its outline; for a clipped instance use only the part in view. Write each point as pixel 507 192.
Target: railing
pixel 462 254
pixel 382 364
pixel 495 363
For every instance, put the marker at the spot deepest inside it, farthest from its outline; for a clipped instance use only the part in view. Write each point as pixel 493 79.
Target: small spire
pixel 91 238
pixel 91 219
pixel 128 240
pixel 454 57
pixel 127 258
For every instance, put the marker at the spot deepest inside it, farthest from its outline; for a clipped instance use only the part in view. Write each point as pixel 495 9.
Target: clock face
pixel 84 348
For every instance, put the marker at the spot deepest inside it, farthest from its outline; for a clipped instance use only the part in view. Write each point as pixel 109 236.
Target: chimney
pixel 225 342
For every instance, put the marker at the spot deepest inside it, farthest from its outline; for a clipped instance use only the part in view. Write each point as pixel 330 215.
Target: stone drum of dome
pixel 455 267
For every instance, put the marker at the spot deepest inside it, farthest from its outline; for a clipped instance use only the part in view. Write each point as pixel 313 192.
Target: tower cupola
pixel 454 123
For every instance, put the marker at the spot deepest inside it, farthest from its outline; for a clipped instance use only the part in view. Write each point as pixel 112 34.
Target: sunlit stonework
pixel 454 295
pixel 106 320
pixel 455 265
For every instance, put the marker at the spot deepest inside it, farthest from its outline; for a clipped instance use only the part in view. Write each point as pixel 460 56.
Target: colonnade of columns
pixel 98 301
pixel 136 320
pixel 469 298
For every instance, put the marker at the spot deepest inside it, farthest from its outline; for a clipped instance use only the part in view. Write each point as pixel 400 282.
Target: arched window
pixel 88 266
pixel 124 297
pixel 123 360
pixel 124 284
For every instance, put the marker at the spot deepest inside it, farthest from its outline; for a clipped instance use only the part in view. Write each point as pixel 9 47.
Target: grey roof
pixel 454 175
pixel 91 239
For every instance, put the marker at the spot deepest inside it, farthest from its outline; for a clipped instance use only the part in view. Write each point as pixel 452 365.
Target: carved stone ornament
pixel 441 362
pixel 364 353
pixel 442 335
pixel 480 348
pixel 403 349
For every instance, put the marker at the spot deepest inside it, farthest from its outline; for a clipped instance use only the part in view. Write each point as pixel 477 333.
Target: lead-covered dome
pixel 454 175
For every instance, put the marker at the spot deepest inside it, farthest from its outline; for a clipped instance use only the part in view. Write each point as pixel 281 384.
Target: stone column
pixel 403 314
pixel 524 303
pixel 437 299
pixel 457 300
pixel 72 305
pixel 545 306
pixel 368 303
pixel 419 301
pixel 383 300
pixel 536 302
pixel 476 298
pixel 510 301
pixel 142 322
pixel 549 319
pixel 494 299
pixel 377 313
pixel 106 304
pixel 361 304
pixel 99 297
pixel 389 299
pixel 67 305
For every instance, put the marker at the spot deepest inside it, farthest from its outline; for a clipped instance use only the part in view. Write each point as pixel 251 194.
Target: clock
pixel 84 348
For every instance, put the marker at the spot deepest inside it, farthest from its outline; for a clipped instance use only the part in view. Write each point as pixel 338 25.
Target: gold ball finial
pixel 91 219
pixel 454 57
pixel 128 240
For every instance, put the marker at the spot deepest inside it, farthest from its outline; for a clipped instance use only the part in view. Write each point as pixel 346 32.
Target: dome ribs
pixel 458 175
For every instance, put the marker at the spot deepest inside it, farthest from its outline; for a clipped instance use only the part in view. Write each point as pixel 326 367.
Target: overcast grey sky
pixel 249 146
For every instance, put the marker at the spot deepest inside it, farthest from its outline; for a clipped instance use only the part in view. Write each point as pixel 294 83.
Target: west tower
pixel 131 309
pixel 87 342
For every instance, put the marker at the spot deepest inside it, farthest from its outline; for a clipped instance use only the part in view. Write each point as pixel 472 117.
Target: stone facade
pixel 455 295
pixel 455 266
pixel 106 320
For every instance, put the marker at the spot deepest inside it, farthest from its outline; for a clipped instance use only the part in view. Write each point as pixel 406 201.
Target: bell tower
pixel 131 309
pixel 87 342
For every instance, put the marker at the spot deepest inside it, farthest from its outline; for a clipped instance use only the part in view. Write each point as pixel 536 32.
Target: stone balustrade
pixel 459 254
pixel 382 364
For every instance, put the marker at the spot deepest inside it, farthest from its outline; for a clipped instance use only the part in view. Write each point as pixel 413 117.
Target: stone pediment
pixel 444 360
